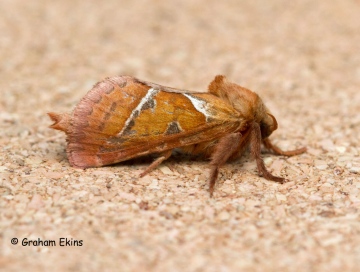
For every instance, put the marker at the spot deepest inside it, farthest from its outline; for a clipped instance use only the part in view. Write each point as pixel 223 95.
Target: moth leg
pixel 243 143
pixel 267 143
pixel 164 156
pixel 223 151
pixel 255 149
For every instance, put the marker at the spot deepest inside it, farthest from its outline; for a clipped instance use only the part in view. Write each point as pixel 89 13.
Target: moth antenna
pixel 61 121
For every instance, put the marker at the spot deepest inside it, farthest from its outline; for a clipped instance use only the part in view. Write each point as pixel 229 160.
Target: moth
pixel 123 117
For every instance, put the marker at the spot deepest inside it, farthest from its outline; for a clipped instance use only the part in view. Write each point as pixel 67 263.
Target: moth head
pixel 267 125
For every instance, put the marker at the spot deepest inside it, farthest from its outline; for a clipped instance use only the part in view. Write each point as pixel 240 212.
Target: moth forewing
pixel 122 118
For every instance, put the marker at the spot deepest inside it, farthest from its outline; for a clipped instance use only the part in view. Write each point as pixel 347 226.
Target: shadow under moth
pixel 122 118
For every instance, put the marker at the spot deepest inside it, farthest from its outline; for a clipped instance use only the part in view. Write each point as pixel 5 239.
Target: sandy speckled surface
pixel 302 57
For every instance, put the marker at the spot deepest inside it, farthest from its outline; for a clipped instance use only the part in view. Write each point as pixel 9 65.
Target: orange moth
pixel 122 118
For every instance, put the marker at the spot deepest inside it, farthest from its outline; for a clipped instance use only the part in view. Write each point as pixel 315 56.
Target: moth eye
pixel 275 124
pixel 265 130
pixel 268 125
